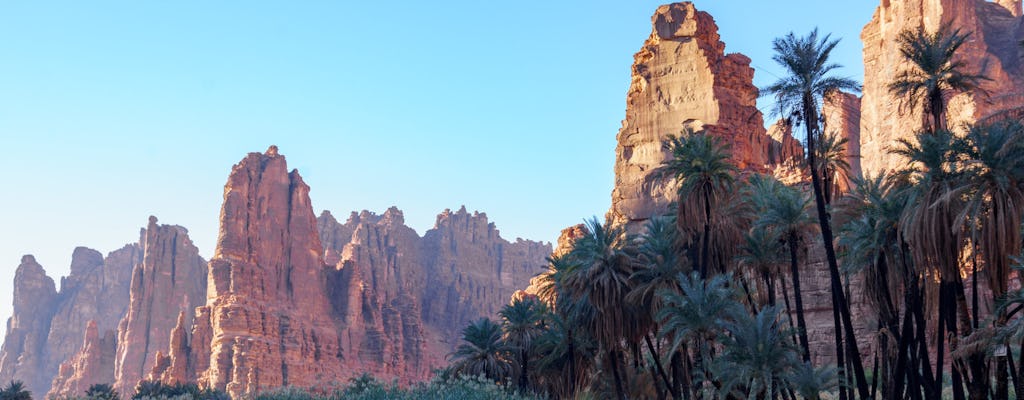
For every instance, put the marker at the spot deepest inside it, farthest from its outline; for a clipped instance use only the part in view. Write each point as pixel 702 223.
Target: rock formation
pixel 267 315
pixel 993 50
pixel 294 300
pixel 841 112
pixel 683 80
pixel 170 281
pixel 21 357
pixel 48 328
pixel 473 271
pixel 91 365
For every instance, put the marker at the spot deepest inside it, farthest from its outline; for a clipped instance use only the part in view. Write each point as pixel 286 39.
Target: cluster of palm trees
pixel 690 307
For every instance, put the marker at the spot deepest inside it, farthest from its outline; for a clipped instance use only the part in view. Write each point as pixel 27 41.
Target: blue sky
pixel 114 111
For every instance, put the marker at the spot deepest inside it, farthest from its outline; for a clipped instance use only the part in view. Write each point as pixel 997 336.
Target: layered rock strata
pixel 682 80
pixel 993 49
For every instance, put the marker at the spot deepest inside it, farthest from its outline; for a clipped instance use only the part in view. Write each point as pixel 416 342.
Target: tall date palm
pixel 799 94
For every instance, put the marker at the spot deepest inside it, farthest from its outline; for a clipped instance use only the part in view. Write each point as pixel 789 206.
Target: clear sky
pixel 114 111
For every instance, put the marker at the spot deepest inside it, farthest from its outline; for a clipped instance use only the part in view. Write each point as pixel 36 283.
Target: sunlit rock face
pixel 303 301
pixel 841 115
pixel 993 50
pixel 170 282
pixel 171 279
pixel 683 80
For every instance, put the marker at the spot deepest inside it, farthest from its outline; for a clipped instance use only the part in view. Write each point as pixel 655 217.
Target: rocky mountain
pixel 278 313
pixel 288 298
pixel 48 331
pixel 682 79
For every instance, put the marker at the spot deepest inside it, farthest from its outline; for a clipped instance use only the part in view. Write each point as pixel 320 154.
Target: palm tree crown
pixel 934 72
pixel 483 352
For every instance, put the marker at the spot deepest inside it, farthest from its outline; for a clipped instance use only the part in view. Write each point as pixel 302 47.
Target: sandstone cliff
pixel 841 113
pixel 386 301
pixel 91 365
pixel 683 80
pixel 267 319
pixel 35 298
pixel 50 328
pixel 993 50
pixel 170 281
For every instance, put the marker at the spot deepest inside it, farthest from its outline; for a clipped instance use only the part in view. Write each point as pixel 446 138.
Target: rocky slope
pixel 993 49
pixel 683 80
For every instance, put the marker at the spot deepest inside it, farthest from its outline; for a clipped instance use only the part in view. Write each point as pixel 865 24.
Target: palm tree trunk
pixel 936 106
pixel 613 360
pixel 838 298
pixel 770 284
pixel 795 273
pixel 524 375
pixel 704 256
pixel 789 311
pixel 661 370
pixel 844 370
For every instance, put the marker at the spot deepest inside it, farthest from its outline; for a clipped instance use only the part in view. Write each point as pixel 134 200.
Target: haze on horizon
pixel 114 112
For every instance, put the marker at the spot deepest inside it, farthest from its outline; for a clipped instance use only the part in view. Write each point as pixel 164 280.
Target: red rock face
pixel 170 282
pixel 96 291
pixel 391 305
pixel 90 366
pixel 993 50
pixel 841 112
pixel 267 320
pixel 35 298
pixel 376 290
pixel 682 79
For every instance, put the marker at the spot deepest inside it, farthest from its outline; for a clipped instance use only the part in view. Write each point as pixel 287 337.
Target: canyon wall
pixel 682 80
pixel 993 49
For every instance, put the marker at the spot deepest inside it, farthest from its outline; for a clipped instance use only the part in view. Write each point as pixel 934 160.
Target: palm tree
pixel 605 260
pixel 876 250
pixel 758 359
pixel 567 357
pixel 810 382
pixel 835 170
pixel 760 254
pixel 101 391
pixel 934 74
pixel 787 214
pixel 15 390
pixel 995 186
pixel 697 314
pixel 523 322
pixel 659 263
pixel 701 165
pixel 483 352
pixel 800 94
pixel 933 227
